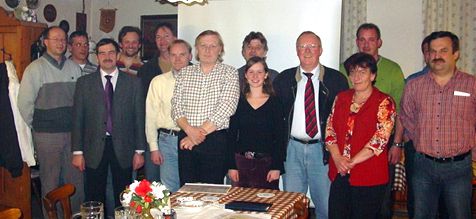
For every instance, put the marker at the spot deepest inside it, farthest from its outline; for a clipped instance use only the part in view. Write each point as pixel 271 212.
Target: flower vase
pixel 146 214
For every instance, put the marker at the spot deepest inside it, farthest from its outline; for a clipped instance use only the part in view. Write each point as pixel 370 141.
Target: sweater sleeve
pixel 28 92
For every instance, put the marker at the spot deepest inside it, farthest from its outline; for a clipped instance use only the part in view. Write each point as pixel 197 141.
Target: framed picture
pixel 147 25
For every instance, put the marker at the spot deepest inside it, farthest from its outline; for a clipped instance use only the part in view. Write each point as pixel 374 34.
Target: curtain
pixel 459 17
pixel 354 13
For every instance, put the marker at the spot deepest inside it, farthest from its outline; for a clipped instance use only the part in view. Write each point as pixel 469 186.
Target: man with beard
pixel 130 39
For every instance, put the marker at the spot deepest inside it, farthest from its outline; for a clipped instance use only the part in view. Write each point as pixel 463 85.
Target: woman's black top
pixel 260 130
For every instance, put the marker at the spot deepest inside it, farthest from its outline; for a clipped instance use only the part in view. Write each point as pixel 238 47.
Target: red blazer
pixel 373 171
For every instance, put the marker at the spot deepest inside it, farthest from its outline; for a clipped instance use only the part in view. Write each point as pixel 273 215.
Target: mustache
pixel 438 60
pixel 107 60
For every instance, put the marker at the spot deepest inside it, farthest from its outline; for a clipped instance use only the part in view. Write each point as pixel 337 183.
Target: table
pixel 285 204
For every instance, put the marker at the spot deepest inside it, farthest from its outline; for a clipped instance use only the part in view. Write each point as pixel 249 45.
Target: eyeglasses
pixel 57 40
pixel 308 46
pixel 81 45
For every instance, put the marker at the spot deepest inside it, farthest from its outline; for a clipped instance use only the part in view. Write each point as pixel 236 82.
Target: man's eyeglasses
pixel 307 46
pixel 80 44
pixel 57 40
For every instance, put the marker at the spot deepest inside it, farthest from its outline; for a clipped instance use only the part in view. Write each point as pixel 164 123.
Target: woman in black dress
pixel 256 133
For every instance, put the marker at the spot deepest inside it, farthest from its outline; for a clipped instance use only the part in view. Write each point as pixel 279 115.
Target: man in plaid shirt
pixel 439 113
pixel 205 96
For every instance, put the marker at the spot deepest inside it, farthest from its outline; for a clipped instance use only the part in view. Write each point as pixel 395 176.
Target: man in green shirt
pixel 391 81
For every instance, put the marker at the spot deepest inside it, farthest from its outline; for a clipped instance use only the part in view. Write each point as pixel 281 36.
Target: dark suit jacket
pixel 89 119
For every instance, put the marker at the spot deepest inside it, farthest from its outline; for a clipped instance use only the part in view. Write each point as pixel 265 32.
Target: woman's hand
pixel 343 164
pixel 234 175
pixel 273 175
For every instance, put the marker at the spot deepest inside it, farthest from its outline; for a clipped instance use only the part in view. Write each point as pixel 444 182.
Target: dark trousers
pixel 253 172
pixel 96 179
pixel 356 202
pixel 450 181
pixel 409 156
pixel 205 163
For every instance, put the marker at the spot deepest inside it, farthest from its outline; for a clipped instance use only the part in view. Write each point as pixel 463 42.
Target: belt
pixel 313 141
pixel 447 159
pixel 169 131
pixel 254 155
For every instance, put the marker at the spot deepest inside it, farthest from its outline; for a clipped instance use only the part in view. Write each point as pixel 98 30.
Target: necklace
pixel 358 102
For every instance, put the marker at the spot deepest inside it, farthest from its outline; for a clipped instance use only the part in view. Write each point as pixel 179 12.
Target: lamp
pixel 175 2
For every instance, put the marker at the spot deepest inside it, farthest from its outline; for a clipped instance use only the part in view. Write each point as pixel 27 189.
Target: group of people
pixel 199 122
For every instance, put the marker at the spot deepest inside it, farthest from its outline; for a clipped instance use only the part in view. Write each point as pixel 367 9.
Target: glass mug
pixel 122 212
pixel 91 210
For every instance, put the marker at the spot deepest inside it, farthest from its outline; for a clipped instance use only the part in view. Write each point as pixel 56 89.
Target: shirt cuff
pixel 77 152
pixel 140 152
pixel 374 150
pixel 153 146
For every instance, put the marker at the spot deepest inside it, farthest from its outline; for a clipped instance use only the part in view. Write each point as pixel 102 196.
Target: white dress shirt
pixel 298 127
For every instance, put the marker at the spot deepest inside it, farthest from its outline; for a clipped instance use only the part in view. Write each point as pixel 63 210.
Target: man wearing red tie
pixel 307 93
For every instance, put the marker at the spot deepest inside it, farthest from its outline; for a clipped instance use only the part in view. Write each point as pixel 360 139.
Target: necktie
pixel 310 107
pixel 108 95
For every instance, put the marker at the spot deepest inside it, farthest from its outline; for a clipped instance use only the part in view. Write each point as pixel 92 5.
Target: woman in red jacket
pixel 357 132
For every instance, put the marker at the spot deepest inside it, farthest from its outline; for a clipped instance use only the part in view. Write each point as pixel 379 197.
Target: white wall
pixel 281 26
pixel 400 22
pixel 401 26
pixel 128 13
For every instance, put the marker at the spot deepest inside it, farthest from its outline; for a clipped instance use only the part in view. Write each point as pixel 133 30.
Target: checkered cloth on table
pixel 400 181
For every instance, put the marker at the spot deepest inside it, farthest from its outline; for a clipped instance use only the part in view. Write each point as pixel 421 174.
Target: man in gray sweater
pixel 45 101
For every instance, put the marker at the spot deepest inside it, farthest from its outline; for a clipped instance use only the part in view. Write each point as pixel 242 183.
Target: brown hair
pixel 267 85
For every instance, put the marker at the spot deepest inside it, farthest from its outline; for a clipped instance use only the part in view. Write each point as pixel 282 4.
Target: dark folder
pixel 247 206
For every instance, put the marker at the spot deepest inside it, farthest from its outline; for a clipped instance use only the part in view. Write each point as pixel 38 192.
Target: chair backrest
pixel 10 213
pixel 61 194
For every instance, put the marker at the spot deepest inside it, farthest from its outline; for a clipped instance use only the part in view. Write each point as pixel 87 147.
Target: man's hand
pixel 186 144
pixel 78 162
pixel 273 175
pixel 234 175
pixel 137 161
pixel 394 155
pixel 156 157
pixel 195 134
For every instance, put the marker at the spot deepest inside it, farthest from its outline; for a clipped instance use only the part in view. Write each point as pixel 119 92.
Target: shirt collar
pixel 315 72
pixel 113 74
pixel 53 61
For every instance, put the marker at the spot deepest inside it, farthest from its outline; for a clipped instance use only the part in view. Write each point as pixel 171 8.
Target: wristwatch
pixel 398 145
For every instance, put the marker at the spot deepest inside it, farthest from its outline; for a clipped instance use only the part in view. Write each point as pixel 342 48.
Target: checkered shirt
pixel 200 97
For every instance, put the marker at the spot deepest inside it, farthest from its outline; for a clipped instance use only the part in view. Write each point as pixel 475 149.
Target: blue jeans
pixel 451 181
pixel 305 169
pixel 167 173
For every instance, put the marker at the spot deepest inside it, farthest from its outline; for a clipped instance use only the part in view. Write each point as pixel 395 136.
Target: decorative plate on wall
pixel 32 4
pixel 50 13
pixel 12 3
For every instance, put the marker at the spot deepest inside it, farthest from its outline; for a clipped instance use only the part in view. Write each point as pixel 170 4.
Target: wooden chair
pixel 62 195
pixel 10 213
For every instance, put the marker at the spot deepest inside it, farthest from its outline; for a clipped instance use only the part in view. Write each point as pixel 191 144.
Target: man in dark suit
pixel 108 125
